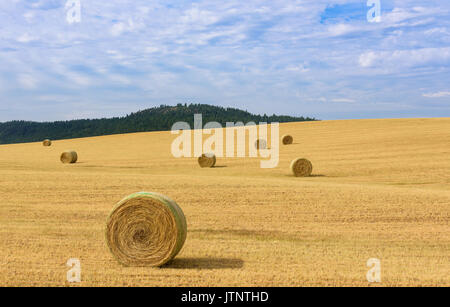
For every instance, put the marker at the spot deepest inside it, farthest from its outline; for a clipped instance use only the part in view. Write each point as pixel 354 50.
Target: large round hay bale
pixel 301 167
pixel 261 144
pixel 47 143
pixel 207 160
pixel 69 156
pixel 287 139
pixel 145 229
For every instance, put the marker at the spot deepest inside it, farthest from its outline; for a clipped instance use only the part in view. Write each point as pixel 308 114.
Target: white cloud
pixel 439 31
pixel 437 95
pixel 120 27
pixel 406 58
pixel 343 100
pixel 78 79
pixel 27 81
pixel 120 79
pixel 151 49
pixel 407 16
pixel 368 59
pixel 199 17
pixel 298 68
pixel 341 29
pixel 26 38
pixel 29 16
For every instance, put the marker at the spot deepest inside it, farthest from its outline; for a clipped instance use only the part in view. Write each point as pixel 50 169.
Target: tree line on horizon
pixel 154 119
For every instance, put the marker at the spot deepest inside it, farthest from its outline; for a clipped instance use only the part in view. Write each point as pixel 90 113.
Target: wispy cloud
pixel 437 95
pixel 25 38
pixel 407 58
pixel 318 58
pixel 344 100
pixel 27 81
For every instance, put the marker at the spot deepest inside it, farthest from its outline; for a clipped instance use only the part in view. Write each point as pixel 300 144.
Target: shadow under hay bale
pixel 205 263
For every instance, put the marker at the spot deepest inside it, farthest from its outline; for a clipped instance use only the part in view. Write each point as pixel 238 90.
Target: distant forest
pixel 154 119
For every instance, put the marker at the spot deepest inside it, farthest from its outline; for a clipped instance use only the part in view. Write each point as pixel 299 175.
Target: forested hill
pixel 154 119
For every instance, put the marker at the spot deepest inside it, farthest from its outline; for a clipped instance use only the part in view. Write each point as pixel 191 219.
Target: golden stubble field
pixel 380 189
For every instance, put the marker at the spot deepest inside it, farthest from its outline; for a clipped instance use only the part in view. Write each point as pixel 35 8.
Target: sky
pixel 315 58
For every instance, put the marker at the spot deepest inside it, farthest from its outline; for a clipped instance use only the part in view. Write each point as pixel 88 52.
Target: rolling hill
pixel 155 119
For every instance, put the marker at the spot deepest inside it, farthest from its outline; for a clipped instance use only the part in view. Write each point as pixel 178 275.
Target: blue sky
pixel 315 58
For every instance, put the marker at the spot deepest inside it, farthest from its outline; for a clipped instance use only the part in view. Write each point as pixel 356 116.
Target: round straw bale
pixel 47 143
pixel 145 229
pixel 69 156
pixel 207 160
pixel 260 144
pixel 287 139
pixel 301 167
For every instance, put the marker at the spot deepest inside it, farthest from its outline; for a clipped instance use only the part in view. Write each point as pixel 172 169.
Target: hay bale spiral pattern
pixel 301 167
pixel 207 160
pixel 287 139
pixel 69 156
pixel 146 229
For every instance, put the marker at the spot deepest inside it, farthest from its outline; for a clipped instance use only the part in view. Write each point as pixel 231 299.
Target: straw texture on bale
pixel 261 144
pixel 47 143
pixel 287 139
pixel 301 167
pixel 146 229
pixel 207 160
pixel 69 156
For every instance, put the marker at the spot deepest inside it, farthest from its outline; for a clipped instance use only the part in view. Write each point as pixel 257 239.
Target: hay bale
pixel 207 160
pixel 301 167
pixel 47 143
pixel 69 156
pixel 260 144
pixel 145 229
pixel 287 139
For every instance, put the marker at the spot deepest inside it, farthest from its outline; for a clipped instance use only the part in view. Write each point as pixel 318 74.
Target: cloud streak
pixel 316 58
pixel 437 95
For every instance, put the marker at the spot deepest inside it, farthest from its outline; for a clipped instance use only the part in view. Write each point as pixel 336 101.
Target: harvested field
pixel 379 189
